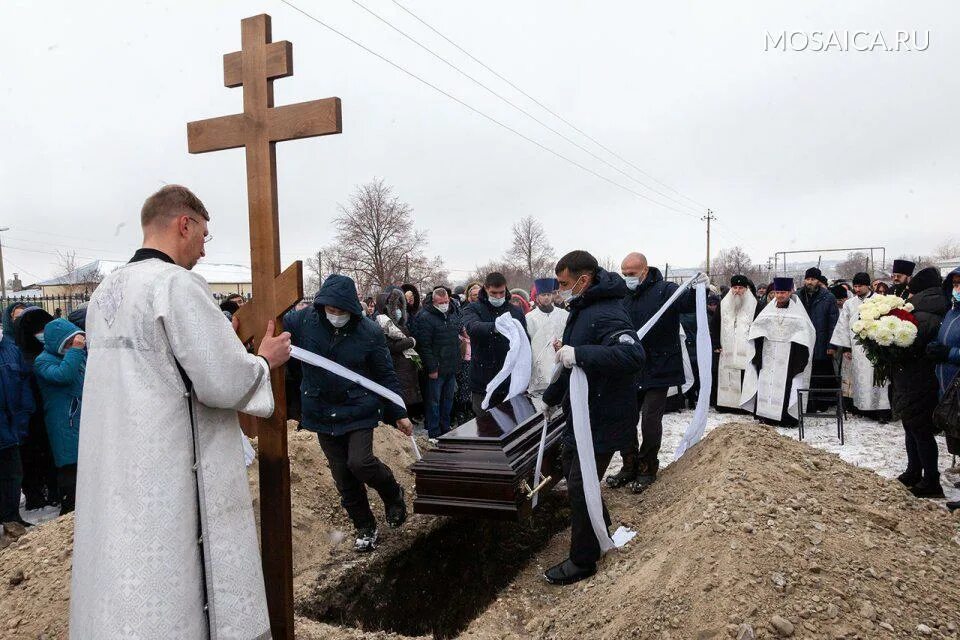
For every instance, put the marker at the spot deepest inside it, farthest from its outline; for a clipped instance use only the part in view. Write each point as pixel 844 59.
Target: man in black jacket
pixel 599 339
pixel 821 306
pixel 488 349
pixel 663 368
pixel 342 413
pixel 438 342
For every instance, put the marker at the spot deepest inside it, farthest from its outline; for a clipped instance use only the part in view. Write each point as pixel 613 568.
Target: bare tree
pixel 376 238
pixel 855 262
pixel 516 277
pixel 734 261
pixel 947 250
pixel 530 252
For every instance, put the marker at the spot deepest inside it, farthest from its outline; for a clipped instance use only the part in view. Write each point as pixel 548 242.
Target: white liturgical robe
pixel 737 351
pixel 164 518
pixel 544 328
pixel 859 371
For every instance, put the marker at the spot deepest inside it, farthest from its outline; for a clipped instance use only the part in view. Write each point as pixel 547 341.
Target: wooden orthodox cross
pixel 258 129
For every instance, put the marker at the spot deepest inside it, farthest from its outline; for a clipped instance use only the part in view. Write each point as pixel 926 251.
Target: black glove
pixel 938 352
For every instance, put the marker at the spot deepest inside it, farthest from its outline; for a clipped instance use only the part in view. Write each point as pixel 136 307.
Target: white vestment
pixel 140 566
pixel 764 391
pixel 737 351
pixel 858 370
pixel 544 328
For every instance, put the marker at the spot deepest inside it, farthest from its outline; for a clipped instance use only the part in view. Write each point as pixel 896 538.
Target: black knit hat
pixel 861 278
pixel 839 292
pixel 814 272
pixel 904 266
pixel 739 281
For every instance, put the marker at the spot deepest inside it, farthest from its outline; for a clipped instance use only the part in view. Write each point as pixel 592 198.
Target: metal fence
pixel 54 305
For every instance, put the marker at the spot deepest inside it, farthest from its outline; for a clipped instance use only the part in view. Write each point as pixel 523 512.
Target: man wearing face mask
pixel 488 348
pixel 438 343
pixel 600 340
pixel 663 368
pixel 341 412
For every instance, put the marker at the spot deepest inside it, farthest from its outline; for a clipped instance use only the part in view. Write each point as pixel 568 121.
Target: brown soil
pixel 747 533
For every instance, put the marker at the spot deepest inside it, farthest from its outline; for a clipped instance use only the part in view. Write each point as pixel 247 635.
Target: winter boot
pixel 646 476
pixel 953 506
pixel 928 488
pixel 366 540
pixel 397 511
pixel 627 473
pixel 909 478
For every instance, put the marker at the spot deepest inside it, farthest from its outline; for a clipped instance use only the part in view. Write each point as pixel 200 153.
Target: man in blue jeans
pixel 438 343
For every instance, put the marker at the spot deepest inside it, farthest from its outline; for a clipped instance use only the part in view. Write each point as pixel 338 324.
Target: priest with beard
pixel 545 325
pixel 857 369
pixel 784 340
pixel 737 310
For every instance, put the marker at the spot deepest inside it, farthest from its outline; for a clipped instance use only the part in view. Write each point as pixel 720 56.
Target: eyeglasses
pixel 207 237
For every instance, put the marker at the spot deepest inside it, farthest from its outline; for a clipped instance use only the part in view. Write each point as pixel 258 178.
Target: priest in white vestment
pixel 857 369
pixel 165 545
pixel 784 340
pixel 545 325
pixel 737 310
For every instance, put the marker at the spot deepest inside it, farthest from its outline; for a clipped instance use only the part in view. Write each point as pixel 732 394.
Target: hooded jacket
pixel 607 349
pixel 331 404
pixel 8 317
pixel 388 304
pixel 664 360
pixel 488 349
pixel 914 393
pixel 949 335
pixel 60 372
pixel 16 399
pixel 824 314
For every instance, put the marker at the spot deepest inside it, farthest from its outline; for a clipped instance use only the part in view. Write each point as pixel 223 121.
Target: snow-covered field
pixel 868 444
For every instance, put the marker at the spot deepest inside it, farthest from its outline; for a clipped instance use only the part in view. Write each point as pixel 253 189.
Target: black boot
pixel 909 478
pixel 928 488
pixel 953 506
pixel 567 573
pixel 646 476
pixel 627 473
pixel 397 511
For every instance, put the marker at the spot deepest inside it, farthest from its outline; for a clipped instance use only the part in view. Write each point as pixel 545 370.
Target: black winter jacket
pixel 823 312
pixel 664 360
pixel 331 404
pixel 914 385
pixel 609 353
pixel 438 339
pixel 488 349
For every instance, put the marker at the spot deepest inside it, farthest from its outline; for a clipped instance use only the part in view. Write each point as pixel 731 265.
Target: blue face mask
pixel 497 302
pixel 956 296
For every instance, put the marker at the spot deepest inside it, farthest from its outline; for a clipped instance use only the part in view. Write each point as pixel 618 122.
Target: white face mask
pixel 38 336
pixel 632 282
pixel 338 321
pixel 567 294
pixel 443 308
pixel 497 302
pixel 398 315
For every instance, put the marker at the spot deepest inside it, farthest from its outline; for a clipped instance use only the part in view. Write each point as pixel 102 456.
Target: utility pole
pixel 3 278
pixel 709 218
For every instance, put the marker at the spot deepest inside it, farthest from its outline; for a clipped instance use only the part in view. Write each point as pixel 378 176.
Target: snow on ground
pixel 38 515
pixel 868 444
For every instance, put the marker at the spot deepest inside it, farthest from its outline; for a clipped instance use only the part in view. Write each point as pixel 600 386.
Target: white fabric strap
pixel 705 362
pixel 338 369
pixel 518 362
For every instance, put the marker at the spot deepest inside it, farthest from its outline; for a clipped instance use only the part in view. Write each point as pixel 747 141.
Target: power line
pixel 481 113
pixel 517 107
pixel 545 107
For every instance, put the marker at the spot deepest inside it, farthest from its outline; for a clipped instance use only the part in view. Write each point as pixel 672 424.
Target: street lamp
pixel 3 279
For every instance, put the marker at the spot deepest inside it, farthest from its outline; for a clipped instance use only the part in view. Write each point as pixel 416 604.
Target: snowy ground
pixel 868 444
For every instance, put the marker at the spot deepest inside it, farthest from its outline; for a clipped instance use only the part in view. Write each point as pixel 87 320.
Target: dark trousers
pixel 440 393
pixel 584 548
pixel 652 404
pixel 354 468
pixel 11 478
pixel 67 483
pixel 922 454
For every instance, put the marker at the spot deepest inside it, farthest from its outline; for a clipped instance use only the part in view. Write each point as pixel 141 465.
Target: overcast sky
pixel 791 149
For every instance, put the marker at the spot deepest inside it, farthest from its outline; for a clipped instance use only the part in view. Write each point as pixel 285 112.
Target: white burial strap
pixel 338 369
pixel 705 362
pixel 518 363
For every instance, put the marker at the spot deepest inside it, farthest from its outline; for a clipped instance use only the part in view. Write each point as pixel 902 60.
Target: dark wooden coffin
pixel 484 468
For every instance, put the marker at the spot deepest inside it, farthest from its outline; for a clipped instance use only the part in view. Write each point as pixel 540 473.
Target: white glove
pixel 567 356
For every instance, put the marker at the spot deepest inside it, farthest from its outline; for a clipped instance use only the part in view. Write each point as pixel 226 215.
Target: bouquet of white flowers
pixel 886 329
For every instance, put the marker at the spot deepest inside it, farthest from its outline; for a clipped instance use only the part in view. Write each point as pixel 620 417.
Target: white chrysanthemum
pixel 890 323
pixel 884 337
pixel 858 326
pixel 894 301
pixel 905 335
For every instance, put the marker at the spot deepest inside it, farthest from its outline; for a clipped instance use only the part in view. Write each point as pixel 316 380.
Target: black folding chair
pixel 839 412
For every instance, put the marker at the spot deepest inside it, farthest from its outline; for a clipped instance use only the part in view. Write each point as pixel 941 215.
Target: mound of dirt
pixel 35 570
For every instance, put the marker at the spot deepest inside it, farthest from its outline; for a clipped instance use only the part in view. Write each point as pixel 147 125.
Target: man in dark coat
pixel 341 412
pixel 488 348
pixel 663 368
pixel 900 274
pixel 16 405
pixel 438 342
pixel 914 387
pixel 821 306
pixel 599 339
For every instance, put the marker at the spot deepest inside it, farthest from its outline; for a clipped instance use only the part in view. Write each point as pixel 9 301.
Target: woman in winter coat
pixel 914 388
pixel 391 315
pixel 945 351
pixel 60 370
